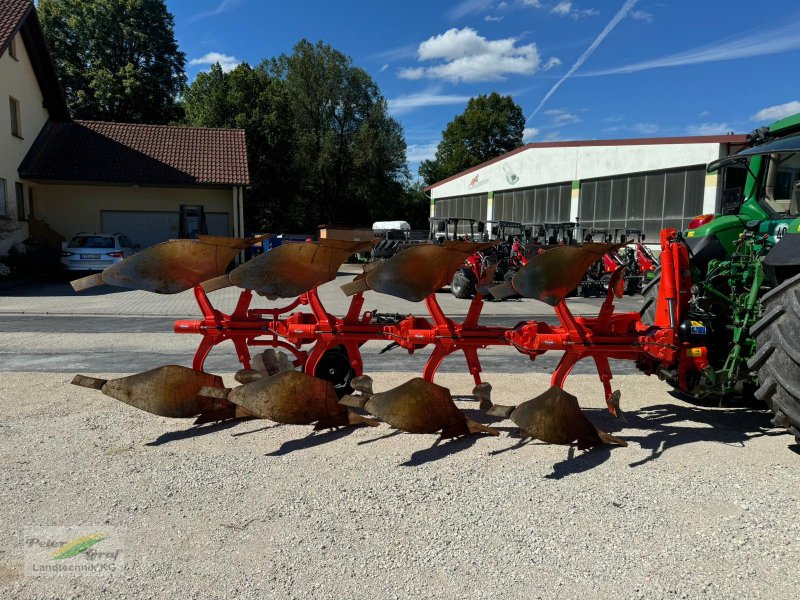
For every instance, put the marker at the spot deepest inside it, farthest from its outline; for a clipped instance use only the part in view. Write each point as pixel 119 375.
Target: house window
pixel 20 190
pixel 16 118
pixel 2 197
pixel 12 48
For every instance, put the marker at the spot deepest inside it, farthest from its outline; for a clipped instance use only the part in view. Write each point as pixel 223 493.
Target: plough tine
pixel 169 391
pixel 292 398
pixel 415 273
pixel 170 267
pixel 552 275
pixel 418 406
pixel 553 417
pixel 290 269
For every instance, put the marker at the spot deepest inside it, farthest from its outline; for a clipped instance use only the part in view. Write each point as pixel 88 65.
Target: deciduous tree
pixel 117 59
pixel 491 125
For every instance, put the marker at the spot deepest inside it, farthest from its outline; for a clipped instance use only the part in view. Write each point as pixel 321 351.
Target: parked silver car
pixel 95 251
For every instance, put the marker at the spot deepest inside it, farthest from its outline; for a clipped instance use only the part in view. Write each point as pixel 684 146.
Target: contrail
pixel 774 41
pixel 623 12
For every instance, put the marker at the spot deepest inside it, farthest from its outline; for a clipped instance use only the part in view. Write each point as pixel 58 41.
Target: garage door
pixel 142 227
pixel 151 227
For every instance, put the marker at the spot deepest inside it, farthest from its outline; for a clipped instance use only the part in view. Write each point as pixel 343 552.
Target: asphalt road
pixel 65 343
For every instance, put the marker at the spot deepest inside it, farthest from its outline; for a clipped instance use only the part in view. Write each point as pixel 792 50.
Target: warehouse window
pixel 536 205
pixel 16 118
pixel 648 201
pixel 472 206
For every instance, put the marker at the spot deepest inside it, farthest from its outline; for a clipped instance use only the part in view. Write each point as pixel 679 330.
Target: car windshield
pixel 781 189
pixel 91 241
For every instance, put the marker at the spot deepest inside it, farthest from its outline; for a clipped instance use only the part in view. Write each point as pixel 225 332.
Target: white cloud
pixel 763 43
pixel 404 104
pixel 222 7
pixel 533 3
pixel 565 9
pixel 470 57
pixel 645 128
pixel 416 153
pixel 529 133
pixel 396 53
pixel 491 19
pixel 228 63
pixel 621 14
pixel 383 68
pixel 502 5
pixel 613 119
pixel 562 117
pixel 468 7
pixel 779 111
pixel 704 113
pixel 551 63
pixel 708 129
pixel 641 15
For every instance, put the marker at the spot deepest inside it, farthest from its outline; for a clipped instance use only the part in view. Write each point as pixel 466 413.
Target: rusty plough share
pixel 319 342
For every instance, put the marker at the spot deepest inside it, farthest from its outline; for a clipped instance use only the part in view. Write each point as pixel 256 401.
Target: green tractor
pixel 745 303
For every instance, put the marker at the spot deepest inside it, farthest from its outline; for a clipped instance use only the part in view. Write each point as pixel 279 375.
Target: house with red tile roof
pixel 60 176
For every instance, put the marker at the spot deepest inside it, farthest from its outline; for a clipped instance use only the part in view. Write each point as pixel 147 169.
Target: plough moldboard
pixel 325 362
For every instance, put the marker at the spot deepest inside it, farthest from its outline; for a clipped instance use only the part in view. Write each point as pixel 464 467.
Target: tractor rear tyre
pixel 461 286
pixel 650 298
pixel 777 358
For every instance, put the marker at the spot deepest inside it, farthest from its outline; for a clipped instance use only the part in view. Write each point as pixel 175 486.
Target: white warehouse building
pixel 646 184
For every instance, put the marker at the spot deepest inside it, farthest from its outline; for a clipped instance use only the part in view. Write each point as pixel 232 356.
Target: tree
pixel 490 126
pixel 117 59
pixel 351 153
pixel 322 147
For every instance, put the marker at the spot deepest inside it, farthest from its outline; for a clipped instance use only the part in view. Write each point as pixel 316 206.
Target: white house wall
pixel 542 166
pixel 18 80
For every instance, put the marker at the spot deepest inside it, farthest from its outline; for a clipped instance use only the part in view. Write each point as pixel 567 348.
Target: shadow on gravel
pixel 186 434
pixel 311 440
pixel 441 450
pixel 666 426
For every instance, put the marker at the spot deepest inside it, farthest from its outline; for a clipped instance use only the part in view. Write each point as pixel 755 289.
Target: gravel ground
pixel 703 503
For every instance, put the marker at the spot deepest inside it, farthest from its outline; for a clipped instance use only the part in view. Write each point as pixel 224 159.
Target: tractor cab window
pixel 781 190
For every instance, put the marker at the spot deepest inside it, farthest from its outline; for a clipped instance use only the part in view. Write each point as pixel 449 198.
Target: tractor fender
pixel 705 249
pixel 783 260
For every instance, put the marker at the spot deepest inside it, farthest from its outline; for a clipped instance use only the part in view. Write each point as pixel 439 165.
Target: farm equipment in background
pixel 640 262
pixel 493 265
pixel 395 236
pixel 440 229
pixel 598 277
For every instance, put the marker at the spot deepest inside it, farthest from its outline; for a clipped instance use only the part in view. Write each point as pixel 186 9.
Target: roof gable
pixel 12 15
pixel 19 16
pixel 126 153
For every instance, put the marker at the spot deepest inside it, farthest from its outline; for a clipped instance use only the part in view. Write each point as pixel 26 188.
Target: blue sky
pixel 587 69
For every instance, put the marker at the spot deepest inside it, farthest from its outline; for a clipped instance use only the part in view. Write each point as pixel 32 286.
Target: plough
pixel 327 348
